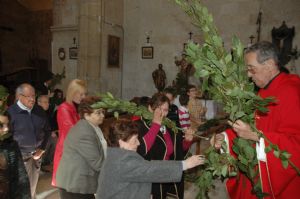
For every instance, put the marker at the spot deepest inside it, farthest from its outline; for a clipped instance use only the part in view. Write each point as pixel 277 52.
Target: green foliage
pixel 57 79
pixel 230 86
pixel 3 98
pixel 117 105
pixel 217 166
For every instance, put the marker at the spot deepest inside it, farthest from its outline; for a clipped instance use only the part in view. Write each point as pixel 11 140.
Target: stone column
pixel 89 62
pixel 64 29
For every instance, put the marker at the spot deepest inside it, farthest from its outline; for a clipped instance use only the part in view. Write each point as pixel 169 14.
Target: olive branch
pixel 112 104
pixel 225 78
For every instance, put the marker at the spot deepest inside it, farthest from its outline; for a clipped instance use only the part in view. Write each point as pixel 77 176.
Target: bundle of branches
pixel 117 106
pixel 230 86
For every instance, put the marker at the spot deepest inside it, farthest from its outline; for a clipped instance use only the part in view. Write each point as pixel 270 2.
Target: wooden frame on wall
pixel 113 51
pixel 147 52
pixel 73 53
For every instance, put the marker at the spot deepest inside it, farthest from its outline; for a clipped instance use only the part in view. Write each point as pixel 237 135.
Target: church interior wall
pixel 91 21
pixel 24 36
pixel 64 30
pixel 112 24
pixel 170 27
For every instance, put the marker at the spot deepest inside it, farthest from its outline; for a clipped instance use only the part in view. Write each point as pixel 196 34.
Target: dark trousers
pixel 162 190
pixel 50 149
pixel 68 195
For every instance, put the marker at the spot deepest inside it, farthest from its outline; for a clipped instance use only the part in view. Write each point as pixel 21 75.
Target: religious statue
pixel 159 78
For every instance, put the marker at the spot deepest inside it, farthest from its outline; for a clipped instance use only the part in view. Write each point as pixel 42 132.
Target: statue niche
pixel 282 37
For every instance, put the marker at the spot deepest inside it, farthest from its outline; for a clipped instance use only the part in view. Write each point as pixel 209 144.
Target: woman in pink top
pixel 156 141
pixel 67 116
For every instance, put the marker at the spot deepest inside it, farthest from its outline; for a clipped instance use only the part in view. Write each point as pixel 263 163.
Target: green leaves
pixel 218 166
pixel 117 105
pixel 283 155
pixel 229 85
pixel 3 98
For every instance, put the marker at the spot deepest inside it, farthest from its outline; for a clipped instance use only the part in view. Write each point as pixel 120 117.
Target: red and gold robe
pixel 282 126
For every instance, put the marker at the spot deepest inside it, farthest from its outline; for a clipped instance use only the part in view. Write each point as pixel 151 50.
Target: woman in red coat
pixel 67 116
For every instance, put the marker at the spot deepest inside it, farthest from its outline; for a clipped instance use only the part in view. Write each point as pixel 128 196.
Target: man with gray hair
pixel 30 128
pixel 281 125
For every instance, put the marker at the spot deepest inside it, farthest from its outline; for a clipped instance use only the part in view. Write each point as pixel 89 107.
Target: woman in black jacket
pixel 14 182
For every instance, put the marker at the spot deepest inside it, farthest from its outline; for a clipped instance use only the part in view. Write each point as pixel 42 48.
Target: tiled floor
pixel 44 188
pixel 46 191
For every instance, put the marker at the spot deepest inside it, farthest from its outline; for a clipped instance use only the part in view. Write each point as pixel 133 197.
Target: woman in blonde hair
pixel 67 116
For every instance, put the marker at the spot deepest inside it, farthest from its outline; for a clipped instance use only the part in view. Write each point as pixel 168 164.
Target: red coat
pixel 282 126
pixel 67 117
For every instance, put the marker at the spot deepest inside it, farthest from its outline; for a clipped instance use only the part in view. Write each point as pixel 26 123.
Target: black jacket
pixel 14 183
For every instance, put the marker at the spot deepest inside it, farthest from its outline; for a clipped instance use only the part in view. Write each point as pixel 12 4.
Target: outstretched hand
pixel 194 161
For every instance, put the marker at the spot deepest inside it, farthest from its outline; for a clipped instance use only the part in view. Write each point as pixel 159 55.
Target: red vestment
pixel 281 125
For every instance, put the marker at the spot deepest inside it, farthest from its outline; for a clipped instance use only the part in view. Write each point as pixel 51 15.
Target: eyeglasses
pixel 99 112
pixel 251 69
pixel 29 97
pixel 193 90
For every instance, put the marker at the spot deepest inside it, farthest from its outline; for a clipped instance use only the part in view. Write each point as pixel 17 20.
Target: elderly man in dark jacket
pixel 30 128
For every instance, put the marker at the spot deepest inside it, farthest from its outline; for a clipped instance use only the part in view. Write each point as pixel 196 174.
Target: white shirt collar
pixel 23 107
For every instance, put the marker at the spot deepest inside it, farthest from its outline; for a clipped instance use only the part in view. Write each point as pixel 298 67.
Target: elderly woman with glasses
pixel 83 153
pixel 126 174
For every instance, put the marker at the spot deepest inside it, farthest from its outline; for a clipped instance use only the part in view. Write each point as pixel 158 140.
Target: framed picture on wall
pixel 73 53
pixel 147 52
pixel 113 51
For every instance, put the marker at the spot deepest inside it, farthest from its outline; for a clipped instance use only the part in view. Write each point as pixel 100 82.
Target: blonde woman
pixel 67 116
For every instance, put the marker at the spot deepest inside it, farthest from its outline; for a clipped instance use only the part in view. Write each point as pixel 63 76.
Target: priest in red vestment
pixel 281 125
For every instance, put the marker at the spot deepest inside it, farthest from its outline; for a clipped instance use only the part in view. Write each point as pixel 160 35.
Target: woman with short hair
pixel 125 174
pixel 83 153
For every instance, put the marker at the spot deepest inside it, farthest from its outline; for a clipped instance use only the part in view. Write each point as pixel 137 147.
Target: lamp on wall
pixel 251 40
pixel 148 34
pixel 147 49
pixel 73 51
pixel 191 35
pixel 189 40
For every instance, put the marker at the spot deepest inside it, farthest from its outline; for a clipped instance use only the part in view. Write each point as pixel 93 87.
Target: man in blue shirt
pixel 31 129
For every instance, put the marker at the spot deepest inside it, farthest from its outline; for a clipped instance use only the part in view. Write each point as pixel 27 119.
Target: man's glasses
pixel 29 97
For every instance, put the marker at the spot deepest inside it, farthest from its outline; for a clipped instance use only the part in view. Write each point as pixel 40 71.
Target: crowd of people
pixel 137 158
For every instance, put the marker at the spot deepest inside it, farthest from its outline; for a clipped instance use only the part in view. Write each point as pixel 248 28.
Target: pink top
pixel 151 136
pixel 186 144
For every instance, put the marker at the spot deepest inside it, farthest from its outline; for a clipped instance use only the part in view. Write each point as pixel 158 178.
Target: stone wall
pixel 24 35
pixel 64 29
pixel 170 28
pixel 90 21
pixel 14 36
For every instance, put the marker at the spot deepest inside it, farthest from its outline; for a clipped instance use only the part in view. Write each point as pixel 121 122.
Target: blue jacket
pixel 30 130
